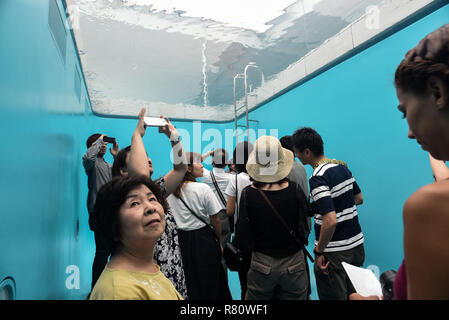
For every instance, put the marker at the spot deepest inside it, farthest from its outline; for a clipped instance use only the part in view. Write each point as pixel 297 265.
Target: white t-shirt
pixel 242 182
pixel 201 199
pixel 222 178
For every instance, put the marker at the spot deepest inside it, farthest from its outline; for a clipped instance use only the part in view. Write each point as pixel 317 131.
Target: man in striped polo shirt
pixel 335 196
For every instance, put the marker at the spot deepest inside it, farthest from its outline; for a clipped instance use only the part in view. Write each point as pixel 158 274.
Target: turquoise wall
pixel 41 125
pixel 44 125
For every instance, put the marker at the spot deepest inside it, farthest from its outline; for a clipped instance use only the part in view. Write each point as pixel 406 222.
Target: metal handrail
pixel 250 65
pixel 245 79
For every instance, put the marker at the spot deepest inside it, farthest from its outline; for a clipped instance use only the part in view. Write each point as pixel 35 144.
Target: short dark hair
pixel 241 154
pixel 287 143
pixel 92 139
pixel 120 161
pixel 306 137
pixel 220 158
pixel 111 197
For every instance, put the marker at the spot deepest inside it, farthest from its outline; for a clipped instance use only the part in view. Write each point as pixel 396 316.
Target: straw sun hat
pixel 269 162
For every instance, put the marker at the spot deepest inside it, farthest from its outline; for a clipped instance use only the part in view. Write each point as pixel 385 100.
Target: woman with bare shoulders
pixel 422 85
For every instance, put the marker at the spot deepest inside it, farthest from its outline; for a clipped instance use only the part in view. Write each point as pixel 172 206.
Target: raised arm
pixel 92 153
pixel 176 175
pixel 206 155
pixel 115 149
pixel 138 159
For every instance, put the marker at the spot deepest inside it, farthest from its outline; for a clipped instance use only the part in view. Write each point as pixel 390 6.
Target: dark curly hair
pixel 111 197
pixel 429 58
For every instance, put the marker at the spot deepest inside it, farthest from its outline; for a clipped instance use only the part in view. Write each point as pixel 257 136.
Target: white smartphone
pixel 154 122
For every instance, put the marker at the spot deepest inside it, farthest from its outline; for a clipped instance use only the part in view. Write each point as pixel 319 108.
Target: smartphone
pixel 109 139
pixel 154 122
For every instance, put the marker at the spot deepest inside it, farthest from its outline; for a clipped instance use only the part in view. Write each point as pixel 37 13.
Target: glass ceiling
pixel 179 57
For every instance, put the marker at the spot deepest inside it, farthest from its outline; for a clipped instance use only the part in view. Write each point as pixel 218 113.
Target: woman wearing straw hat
pixel 278 264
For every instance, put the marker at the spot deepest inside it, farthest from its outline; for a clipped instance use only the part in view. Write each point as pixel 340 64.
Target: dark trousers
pixel 102 252
pixel 336 285
pixel 203 270
pixel 243 272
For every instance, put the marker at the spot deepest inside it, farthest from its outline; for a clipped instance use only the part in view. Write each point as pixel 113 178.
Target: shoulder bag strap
pixel 236 197
pixel 198 217
pixel 222 198
pixel 235 216
pixel 292 233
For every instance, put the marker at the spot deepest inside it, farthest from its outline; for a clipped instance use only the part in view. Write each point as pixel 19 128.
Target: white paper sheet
pixel 364 281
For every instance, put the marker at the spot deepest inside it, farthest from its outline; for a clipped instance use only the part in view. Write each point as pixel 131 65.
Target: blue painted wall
pixel 44 126
pixel 42 121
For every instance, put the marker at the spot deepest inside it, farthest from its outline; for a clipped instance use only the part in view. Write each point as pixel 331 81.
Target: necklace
pixel 334 161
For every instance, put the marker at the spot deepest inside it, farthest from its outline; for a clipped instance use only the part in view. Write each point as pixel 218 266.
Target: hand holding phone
pixel 154 122
pixel 109 139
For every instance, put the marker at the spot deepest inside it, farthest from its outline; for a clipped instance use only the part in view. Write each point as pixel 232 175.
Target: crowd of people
pixel 164 238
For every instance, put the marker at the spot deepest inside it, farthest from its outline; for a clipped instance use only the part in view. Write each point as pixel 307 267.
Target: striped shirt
pixel 332 189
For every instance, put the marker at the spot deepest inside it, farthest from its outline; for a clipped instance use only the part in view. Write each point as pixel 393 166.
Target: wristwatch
pixel 175 139
pixel 317 253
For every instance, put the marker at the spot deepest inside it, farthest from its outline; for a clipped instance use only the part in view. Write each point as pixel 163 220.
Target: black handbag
pixel 232 256
pixel 387 283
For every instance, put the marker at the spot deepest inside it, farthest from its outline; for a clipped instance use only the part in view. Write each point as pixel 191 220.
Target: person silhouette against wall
pixel 196 210
pixel 298 174
pixel 222 178
pixel 233 191
pixel 278 268
pixel 335 196
pixel 98 173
